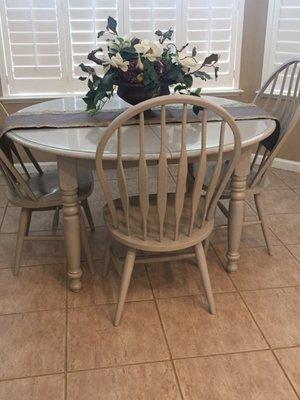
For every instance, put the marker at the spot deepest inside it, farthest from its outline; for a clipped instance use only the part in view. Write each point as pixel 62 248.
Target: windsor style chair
pixel 280 96
pixel 39 191
pixel 165 223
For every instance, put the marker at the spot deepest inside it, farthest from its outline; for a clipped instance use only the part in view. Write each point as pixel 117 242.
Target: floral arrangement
pixel 142 62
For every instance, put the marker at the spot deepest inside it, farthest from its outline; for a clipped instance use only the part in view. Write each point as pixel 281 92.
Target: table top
pixel 83 142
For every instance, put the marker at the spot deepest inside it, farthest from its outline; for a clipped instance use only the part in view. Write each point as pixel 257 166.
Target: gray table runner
pixel 76 119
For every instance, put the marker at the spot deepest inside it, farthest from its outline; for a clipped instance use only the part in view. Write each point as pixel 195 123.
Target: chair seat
pixel 135 238
pixel 46 189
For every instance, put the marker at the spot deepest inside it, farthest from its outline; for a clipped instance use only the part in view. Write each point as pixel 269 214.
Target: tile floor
pixel 57 345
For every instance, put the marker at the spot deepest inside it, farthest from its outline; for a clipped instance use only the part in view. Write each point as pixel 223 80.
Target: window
pixel 283 34
pixel 43 41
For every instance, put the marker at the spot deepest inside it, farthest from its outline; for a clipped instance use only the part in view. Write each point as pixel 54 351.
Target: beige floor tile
pixel 40 221
pixel 183 277
pixel 32 344
pixel 258 270
pixel 246 376
pixel 192 331
pixel 292 179
pixel 274 181
pixel 277 313
pixel 252 236
pixel 280 201
pixel 220 217
pixel 295 250
pixel 49 387
pixel 286 227
pixel 2 211
pixel 3 197
pixel 34 252
pixel 94 342
pixel 99 290
pixel 34 289
pixel 146 381
pixel 290 361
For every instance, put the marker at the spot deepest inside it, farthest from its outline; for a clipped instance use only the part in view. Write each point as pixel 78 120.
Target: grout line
pixel 262 333
pixel 34 311
pixel 147 362
pixel 30 376
pixel 241 297
pixel 285 374
pixel 165 336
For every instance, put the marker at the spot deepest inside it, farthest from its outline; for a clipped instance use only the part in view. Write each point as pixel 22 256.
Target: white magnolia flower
pixel 118 62
pixel 187 62
pixel 150 50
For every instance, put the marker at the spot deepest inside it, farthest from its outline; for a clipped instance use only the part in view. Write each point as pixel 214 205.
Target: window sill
pixel 38 97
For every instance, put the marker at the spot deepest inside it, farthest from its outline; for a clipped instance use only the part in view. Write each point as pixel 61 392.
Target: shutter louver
pixel 144 17
pixel 283 35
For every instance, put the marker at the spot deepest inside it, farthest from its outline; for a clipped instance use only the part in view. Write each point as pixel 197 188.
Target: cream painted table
pixel 77 147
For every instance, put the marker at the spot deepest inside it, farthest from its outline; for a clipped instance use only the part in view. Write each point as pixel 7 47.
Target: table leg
pixel 236 209
pixel 67 168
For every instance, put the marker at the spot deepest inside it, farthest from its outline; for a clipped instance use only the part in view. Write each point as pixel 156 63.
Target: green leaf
pixel 216 72
pixel 87 69
pixel 202 75
pixel 197 109
pixel 128 53
pixel 194 52
pixel 158 32
pixel 188 80
pixel 99 34
pixel 210 60
pixel 112 25
pixel 82 78
pixel 178 88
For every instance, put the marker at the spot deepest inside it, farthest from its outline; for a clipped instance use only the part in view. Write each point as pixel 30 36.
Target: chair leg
pixel 55 221
pixel 264 226
pixel 28 222
pixel 202 264
pixel 24 222
pixel 86 245
pixel 87 210
pixel 206 245
pixel 127 272
pixel 107 257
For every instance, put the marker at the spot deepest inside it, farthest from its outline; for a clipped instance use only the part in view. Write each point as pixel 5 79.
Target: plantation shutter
pixel 215 26
pixel 143 18
pixel 33 49
pixel 283 34
pixel 86 19
pixel 44 41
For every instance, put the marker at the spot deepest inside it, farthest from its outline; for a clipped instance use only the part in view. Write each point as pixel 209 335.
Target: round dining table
pixel 76 147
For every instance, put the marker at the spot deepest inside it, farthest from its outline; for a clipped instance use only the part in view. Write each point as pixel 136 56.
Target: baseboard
pixel 282 163
pixel 288 165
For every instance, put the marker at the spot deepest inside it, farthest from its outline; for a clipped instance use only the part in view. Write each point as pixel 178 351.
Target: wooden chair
pixel 280 96
pixel 164 223
pixel 39 192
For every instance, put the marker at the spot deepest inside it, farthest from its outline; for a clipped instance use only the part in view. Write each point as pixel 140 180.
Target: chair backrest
pixel 280 96
pixel 196 192
pixel 16 182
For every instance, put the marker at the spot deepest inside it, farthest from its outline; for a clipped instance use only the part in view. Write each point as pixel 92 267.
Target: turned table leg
pixel 236 209
pixel 67 168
